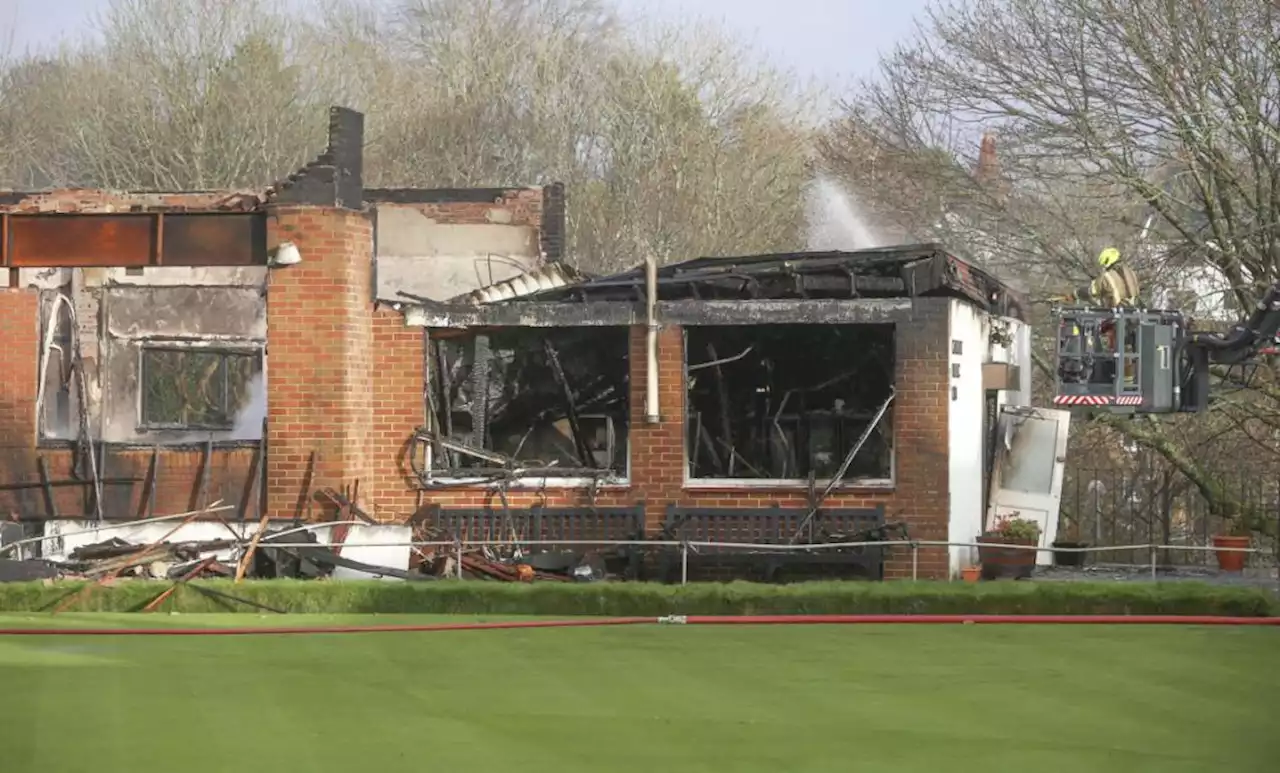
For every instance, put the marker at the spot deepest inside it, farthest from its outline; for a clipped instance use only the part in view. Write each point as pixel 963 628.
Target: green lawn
pixel 997 699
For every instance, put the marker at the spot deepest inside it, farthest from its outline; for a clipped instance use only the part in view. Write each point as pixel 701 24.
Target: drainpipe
pixel 651 348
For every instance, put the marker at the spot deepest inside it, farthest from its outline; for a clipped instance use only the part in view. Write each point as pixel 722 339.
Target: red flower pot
pixel 1231 561
pixel 1012 563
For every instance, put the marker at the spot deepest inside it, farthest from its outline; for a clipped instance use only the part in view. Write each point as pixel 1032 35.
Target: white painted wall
pixel 440 261
pixel 369 544
pixel 972 328
pixel 969 327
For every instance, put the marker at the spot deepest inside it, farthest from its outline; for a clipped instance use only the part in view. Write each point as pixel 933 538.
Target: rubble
pixel 499 545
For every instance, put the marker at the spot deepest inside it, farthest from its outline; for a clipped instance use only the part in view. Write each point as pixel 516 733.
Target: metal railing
pixel 460 547
pixel 1107 506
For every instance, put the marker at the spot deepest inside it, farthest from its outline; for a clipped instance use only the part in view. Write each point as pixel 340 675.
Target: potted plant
pixel 1010 562
pixel 1070 549
pixel 1239 536
pixel 971 573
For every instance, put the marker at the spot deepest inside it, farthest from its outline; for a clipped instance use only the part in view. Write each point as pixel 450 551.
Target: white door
pixel 1031 455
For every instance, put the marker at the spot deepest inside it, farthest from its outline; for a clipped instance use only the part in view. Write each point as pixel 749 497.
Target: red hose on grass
pixel 680 620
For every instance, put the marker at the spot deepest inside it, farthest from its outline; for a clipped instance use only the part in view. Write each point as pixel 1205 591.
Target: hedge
pixel 645 599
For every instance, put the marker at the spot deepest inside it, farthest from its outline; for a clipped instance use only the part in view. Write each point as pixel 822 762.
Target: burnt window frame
pixel 694 483
pixel 252 349
pixel 434 476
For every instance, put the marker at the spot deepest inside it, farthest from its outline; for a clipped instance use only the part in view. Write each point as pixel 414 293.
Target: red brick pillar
pixel 19 367
pixel 398 409
pixel 19 379
pixel 921 438
pixel 319 357
pixel 657 451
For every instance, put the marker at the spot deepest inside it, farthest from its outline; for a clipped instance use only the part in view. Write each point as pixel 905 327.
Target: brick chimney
pixel 988 166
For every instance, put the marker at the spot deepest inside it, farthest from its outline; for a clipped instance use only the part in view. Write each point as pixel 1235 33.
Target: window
pixel 199 388
pixel 781 403
pixel 551 402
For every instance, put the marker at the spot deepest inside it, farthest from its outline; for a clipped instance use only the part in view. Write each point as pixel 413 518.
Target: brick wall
pixel 181 483
pixel 398 410
pixel 920 496
pixel 20 321
pixel 506 206
pixel 180 472
pixel 320 356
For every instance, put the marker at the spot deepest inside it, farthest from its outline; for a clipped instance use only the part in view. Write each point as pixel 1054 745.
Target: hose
pixel 670 620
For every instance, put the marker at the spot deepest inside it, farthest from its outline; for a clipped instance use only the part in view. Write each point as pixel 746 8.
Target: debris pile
pixel 514 565
pixel 167 560
pixel 290 550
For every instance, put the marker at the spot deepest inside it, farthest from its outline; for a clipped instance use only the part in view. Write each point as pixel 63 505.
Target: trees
pixel 181 95
pixel 1145 124
pixel 671 142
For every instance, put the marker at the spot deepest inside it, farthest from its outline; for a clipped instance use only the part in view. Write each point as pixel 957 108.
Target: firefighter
pixel 1104 369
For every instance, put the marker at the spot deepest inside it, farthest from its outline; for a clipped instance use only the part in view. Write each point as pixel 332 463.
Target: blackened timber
pixel 614 313
pixel 571 409
pixel 345 503
pixel 481 355
pixel 445 412
pixel 50 504
pixel 45 483
pixel 722 392
pixel 147 500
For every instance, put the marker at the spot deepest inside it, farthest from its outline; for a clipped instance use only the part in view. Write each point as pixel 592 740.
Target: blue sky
pixel 831 40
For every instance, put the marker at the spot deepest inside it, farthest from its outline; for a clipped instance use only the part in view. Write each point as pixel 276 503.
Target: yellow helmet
pixel 1108 257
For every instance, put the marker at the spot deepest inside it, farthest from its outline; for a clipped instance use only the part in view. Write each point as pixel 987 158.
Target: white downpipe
pixel 651 349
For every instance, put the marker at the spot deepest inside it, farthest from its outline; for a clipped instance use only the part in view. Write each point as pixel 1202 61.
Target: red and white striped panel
pixel 1082 400
pixel 1097 400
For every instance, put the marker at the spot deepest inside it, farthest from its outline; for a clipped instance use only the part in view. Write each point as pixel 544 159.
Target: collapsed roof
pixel 899 272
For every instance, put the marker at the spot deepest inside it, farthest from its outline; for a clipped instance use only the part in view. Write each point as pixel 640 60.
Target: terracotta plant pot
pixel 1069 557
pixel 971 573
pixel 1006 563
pixel 1231 561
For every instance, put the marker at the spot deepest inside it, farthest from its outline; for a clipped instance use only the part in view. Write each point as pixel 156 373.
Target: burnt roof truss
pixel 866 286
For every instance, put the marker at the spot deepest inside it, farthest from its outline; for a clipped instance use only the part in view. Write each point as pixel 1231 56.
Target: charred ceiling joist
pixel 789 402
pixel 527 403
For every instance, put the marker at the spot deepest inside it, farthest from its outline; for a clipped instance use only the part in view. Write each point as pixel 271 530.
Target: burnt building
pixel 432 354
pixel 753 399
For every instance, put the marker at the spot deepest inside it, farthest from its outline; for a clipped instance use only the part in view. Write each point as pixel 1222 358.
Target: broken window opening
pixel 530 403
pixel 59 415
pixel 787 403
pixel 199 388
